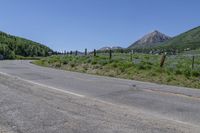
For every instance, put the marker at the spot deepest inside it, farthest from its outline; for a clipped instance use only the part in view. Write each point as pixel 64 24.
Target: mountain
pixel 150 40
pixel 108 48
pixel 77 52
pixel 104 48
pixel 189 39
pixel 10 46
pixel 116 48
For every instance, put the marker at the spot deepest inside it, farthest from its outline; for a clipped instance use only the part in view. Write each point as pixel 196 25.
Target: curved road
pixel 44 100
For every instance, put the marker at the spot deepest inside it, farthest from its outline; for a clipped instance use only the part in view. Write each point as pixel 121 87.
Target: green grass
pixel 176 71
pixel 18 57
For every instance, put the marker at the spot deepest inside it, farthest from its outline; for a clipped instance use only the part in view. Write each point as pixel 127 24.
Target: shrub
pixel 146 57
pixel 85 67
pixel 141 67
pixel 114 65
pixel 178 72
pixel 195 73
pixel 187 72
pixel 94 62
pixel 57 65
pixel 122 69
pixel 103 62
pixel 169 79
pixel 144 66
pixel 72 64
pixel 89 60
pixel 152 74
pixel 65 62
pixel 97 67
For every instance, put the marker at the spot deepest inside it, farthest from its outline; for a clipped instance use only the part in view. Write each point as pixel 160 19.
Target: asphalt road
pixel 34 99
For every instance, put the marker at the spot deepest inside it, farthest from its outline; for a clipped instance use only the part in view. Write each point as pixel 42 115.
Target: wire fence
pixel 183 61
pixel 173 62
pixel 179 61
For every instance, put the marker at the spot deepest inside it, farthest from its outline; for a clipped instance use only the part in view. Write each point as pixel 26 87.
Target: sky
pixel 92 24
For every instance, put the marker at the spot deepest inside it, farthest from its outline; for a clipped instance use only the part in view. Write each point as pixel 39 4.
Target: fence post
pixel 85 52
pixel 122 51
pixel 162 60
pixel 95 52
pixel 110 53
pixel 131 55
pixel 192 62
pixel 70 52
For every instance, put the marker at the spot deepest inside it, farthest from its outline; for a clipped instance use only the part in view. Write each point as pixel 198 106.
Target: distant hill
pixel 104 48
pixel 108 48
pixel 116 48
pixel 10 46
pixel 189 39
pixel 150 40
pixel 77 52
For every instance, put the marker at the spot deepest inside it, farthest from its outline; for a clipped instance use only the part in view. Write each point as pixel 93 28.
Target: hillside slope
pixel 189 39
pixel 10 46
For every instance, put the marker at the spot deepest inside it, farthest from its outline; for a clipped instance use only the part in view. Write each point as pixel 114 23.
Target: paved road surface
pixel 43 100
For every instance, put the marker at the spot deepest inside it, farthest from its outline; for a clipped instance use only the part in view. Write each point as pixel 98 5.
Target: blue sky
pixel 80 24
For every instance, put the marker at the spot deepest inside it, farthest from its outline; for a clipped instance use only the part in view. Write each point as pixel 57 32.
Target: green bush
pixel 57 65
pixel 141 67
pixel 114 65
pixel 187 73
pixel 72 64
pixel 94 62
pixel 178 72
pixel 103 62
pixel 195 73
pixel 64 61
pixel 89 60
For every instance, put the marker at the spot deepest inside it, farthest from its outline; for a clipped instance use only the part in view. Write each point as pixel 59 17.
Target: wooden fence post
pixel 122 51
pixel 85 52
pixel 131 55
pixel 110 53
pixel 76 53
pixel 162 60
pixel 192 62
pixel 95 52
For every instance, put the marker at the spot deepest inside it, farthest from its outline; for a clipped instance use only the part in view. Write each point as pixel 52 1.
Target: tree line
pixel 11 46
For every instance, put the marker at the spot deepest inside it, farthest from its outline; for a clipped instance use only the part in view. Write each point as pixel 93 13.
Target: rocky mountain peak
pixel 151 39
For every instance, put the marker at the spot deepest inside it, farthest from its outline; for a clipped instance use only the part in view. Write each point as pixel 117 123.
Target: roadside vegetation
pixel 177 69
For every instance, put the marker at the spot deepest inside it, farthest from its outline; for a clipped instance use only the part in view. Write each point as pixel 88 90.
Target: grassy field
pixel 177 69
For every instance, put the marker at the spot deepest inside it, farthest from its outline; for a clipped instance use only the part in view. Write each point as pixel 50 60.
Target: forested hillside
pixel 189 39
pixel 10 46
